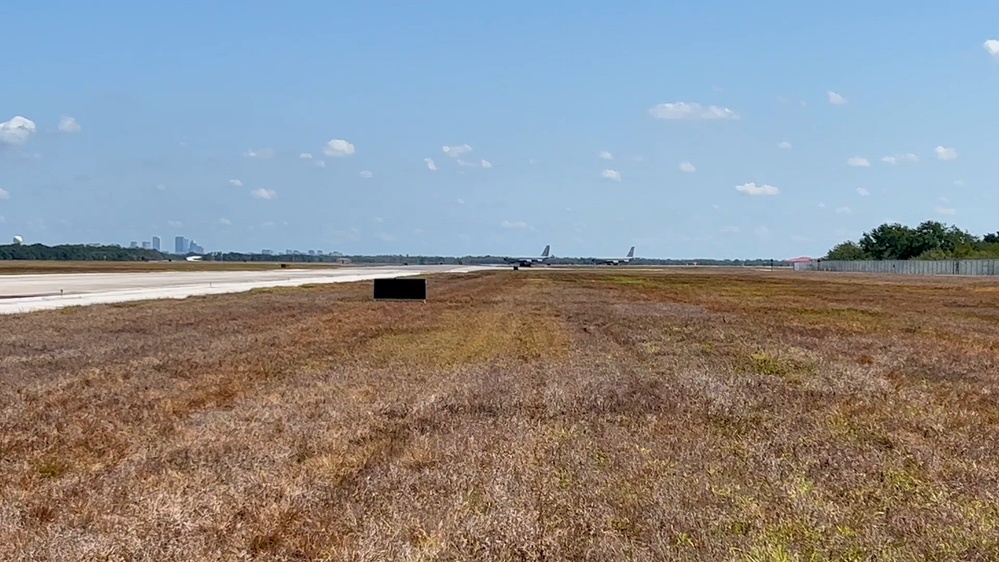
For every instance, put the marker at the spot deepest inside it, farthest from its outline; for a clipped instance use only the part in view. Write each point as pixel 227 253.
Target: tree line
pixel 930 240
pixel 77 252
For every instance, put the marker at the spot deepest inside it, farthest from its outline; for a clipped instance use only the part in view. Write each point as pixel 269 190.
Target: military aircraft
pixel 528 261
pixel 617 261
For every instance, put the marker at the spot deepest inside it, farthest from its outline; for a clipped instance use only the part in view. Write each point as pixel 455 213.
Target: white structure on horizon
pixel 18 239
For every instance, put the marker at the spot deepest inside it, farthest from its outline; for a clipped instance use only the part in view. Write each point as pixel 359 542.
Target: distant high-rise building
pixel 133 244
pixel 319 252
pixel 145 245
pixel 180 245
pixel 156 243
pixel 267 252
pixel 194 248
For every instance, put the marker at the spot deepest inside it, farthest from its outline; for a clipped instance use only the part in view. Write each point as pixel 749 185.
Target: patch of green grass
pixel 844 319
pixel 633 281
pixel 457 338
pixel 784 366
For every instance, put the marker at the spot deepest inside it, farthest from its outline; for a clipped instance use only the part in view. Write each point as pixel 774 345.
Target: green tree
pixel 891 242
pixel 847 251
pixel 934 254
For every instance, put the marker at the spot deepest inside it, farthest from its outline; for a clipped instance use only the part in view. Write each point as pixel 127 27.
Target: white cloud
pixel 613 175
pixel 959 183
pixel 161 187
pixel 385 237
pixel 486 164
pixel 785 145
pixel 460 201
pixel 687 167
pixel 898 158
pixel 235 183
pixel 858 162
pixel 456 151
pixel 17 130
pixel 430 164
pixel 225 222
pixel 319 163
pixel 684 110
pixel 466 164
pixel 263 153
pixel 863 191
pixel 835 98
pixel 175 224
pixel 844 210
pixel 515 224
pixel 948 211
pixel 378 219
pixel 606 155
pixel 3 219
pixel 4 194
pixel 338 147
pixel 730 229
pixel 418 231
pixel 763 232
pixel 305 156
pixel 366 174
pixel 992 47
pixel 752 189
pixel 822 205
pixel 69 125
pixel 944 153
pixel 262 193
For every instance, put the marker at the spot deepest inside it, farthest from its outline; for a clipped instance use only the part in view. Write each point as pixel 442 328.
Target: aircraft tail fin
pixel 544 254
pixel 631 252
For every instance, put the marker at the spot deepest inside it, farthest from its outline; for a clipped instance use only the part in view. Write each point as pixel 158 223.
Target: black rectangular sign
pixel 402 289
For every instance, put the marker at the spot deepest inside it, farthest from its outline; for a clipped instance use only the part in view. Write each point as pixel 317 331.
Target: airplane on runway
pixel 617 261
pixel 527 261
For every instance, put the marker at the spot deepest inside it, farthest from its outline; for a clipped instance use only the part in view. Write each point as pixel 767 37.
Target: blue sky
pixel 170 103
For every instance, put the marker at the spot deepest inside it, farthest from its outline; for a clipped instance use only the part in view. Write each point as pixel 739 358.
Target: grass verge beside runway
pixel 515 416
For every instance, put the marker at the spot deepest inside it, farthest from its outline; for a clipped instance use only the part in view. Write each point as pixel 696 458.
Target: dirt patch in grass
pixel 514 416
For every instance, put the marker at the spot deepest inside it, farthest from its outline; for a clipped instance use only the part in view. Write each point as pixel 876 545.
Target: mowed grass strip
pixel 515 416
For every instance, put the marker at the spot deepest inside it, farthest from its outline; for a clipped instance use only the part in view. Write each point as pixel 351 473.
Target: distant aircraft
pixel 616 261
pixel 527 261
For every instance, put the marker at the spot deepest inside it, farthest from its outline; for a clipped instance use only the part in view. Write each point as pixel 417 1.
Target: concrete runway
pixel 27 293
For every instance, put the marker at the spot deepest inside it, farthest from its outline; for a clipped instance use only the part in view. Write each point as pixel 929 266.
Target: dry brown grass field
pixel 531 415
pixel 21 267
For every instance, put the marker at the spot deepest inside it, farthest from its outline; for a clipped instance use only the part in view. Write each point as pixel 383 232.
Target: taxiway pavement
pixel 27 293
